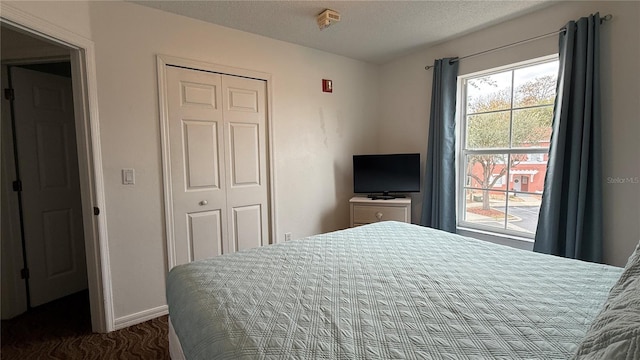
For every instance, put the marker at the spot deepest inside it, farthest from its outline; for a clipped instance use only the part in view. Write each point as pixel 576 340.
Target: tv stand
pixel 365 210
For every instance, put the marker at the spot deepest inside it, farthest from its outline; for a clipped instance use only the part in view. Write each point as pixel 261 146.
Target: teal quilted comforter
pixel 385 291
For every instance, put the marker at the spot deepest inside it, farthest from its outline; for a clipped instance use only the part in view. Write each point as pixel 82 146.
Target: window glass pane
pixel 484 207
pixel 487 131
pixel 523 212
pixel 535 85
pixel 526 175
pixel 509 112
pixel 487 171
pixel 532 127
pixel 489 93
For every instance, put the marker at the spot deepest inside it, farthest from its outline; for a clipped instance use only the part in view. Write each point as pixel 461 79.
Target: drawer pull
pixel 379 215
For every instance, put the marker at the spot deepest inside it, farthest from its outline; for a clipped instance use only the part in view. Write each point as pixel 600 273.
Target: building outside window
pixel 505 124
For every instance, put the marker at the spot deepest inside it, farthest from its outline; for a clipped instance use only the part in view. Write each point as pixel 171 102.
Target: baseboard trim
pixel 139 317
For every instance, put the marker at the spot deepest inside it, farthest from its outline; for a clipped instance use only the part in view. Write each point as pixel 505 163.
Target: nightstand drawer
pixel 366 211
pixel 369 214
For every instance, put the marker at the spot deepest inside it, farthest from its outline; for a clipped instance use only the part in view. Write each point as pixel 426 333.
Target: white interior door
pixel 48 165
pixel 217 146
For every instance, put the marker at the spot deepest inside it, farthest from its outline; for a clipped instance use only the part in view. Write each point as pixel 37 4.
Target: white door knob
pixel 204 202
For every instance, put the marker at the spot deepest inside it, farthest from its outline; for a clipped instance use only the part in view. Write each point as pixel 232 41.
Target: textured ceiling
pixel 372 31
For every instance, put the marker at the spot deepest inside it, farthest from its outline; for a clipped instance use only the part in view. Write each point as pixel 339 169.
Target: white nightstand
pixel 366 211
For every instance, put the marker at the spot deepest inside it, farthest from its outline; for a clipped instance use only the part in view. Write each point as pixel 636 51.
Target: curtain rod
pixel 603 19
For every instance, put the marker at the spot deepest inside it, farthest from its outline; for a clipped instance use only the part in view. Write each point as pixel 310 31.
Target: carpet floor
pixel 62 330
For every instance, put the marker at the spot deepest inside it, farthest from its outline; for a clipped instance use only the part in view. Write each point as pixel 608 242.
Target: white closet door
pixel 244 109
pixel 197 166
pixel 218 163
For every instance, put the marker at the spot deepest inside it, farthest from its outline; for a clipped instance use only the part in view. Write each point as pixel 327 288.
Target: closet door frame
pixel 162 62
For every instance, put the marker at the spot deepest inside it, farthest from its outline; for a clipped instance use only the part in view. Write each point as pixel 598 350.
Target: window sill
pixel 508 240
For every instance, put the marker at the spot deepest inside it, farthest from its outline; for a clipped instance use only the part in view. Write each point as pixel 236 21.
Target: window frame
pixel 462 152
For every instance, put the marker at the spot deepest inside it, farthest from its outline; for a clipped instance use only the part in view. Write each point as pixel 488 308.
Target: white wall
pixel 315 134
pixel 407 94
pixel 17 46
pixel 70 15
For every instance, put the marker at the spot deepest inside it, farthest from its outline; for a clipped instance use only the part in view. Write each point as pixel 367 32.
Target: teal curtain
pixel 570 221
pixel 439 202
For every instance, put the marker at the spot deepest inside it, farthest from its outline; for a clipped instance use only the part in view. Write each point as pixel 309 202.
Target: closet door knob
pixel 203 202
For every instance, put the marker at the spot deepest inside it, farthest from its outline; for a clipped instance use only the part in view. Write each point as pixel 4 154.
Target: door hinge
pixel 96 210
pixel 9 94
pixel 24 273
pixel 17 185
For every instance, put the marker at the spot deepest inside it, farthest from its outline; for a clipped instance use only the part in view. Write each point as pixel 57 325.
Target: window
pixel 505 124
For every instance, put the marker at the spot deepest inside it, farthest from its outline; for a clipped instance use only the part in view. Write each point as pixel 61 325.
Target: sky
pixel 502 80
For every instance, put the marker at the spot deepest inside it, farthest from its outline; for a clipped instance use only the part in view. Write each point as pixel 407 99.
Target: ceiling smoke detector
pixel 327 17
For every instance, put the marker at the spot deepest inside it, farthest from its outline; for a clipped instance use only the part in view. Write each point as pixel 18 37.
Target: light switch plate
pixel 128 177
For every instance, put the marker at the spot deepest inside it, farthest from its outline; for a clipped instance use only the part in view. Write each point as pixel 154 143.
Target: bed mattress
pixel 385 291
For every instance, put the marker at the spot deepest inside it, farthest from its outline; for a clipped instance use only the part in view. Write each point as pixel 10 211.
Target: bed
pixel 388 290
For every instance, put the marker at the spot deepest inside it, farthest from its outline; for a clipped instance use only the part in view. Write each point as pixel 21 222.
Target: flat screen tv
pixel 385 176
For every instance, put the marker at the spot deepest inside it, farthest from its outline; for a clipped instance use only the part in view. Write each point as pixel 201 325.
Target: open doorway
pixel 43 163
pixel 65 156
